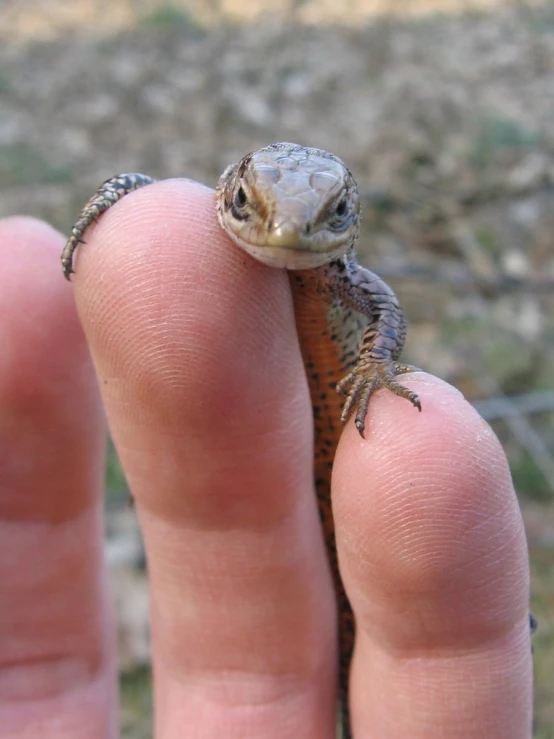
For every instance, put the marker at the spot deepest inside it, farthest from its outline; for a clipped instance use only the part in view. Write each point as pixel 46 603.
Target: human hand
pixel 202 382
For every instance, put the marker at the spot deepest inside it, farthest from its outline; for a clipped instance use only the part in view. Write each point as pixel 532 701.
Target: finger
pixel 195 350
pixel 434 558
pixel 57 677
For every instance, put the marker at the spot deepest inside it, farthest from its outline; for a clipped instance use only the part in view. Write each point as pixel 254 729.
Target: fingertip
pixel 433 556
pixel 205 392
pixel 425 509
pixel 189 334
pixel 50 408
pixel 18 228
pixel 55 660
pixel 30 250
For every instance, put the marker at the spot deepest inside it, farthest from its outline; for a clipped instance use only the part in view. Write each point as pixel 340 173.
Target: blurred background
pixel 443 109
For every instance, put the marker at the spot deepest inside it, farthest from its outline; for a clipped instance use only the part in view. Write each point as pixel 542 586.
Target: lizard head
pixel 290 206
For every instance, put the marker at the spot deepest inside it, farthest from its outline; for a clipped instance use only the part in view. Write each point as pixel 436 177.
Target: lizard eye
pixel 342 208
pixel 339 217
pixel 240 200
pixel 240 197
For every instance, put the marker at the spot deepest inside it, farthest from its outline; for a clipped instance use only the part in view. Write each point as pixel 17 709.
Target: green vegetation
pixel 5 84
pixel 496 133
pixel 115 479
pixel 168 16
pixel 489 240
pixel 22 165
pixel 528 479
pixel 136 704
pixel 542 605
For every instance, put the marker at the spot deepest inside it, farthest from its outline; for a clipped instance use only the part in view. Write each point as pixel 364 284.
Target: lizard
pixel 298 208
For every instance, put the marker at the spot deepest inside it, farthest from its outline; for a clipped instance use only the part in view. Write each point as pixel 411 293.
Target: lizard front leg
pixel 109 192
pixel 382 341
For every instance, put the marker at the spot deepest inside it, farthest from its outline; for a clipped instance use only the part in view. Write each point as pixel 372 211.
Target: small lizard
pixel 298 208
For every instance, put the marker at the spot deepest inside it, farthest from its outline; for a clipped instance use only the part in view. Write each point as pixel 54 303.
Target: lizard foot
pixel 367 377
pixel 107 194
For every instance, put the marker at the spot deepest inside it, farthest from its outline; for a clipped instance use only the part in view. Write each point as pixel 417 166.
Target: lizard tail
pixel 346 647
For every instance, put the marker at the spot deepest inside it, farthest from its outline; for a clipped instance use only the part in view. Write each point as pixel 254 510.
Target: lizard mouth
pixel 288 256
pixel 288 248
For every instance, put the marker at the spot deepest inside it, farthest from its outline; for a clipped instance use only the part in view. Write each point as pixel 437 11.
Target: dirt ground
pixel 444 118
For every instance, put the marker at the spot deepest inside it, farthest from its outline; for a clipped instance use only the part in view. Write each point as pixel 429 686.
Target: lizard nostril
pixel 308 228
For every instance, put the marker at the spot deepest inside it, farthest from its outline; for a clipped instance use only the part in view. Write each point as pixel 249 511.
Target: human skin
pixel 201 380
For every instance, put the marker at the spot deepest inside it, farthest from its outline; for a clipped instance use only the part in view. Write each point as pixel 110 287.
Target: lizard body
pixel 298 208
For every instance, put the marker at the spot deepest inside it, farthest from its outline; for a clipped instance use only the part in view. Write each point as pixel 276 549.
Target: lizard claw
pixel 367 377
